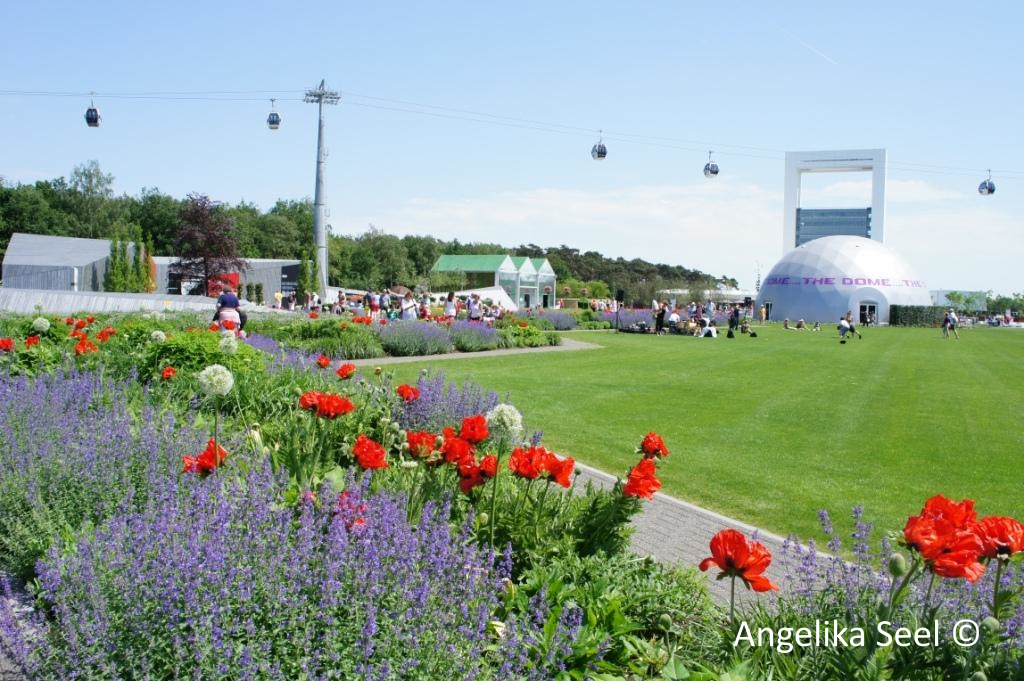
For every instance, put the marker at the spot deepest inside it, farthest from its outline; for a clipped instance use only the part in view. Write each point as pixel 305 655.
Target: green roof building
pixel 528 281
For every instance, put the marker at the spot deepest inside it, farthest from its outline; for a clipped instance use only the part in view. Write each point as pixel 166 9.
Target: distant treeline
pixel 84 205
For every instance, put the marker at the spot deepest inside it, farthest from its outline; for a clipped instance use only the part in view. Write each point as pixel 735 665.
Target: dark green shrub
pixel 916 315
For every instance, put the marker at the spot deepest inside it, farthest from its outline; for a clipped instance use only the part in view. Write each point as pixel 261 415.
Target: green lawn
pixel 769 430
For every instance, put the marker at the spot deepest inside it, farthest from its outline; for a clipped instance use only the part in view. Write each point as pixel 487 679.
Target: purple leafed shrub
pixel 402 339
pixel 218 580
pixel 442 404
pixel 71 454
pixel 469 336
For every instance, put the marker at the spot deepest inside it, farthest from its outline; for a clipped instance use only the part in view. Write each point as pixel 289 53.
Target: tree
pixel 205 244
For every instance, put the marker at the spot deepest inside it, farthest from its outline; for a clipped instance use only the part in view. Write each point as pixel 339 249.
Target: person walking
pixel 408 308
pixel 659 319
pixel 450 308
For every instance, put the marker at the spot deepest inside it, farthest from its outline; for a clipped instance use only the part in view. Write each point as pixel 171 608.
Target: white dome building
pixel 822 279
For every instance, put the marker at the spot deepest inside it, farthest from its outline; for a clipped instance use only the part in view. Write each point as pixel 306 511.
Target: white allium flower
pixel 158 336
pixel 409 464
pixel 41 324
pixel 505 422
pixel 228 345
pixel 225 333
pixel 216 380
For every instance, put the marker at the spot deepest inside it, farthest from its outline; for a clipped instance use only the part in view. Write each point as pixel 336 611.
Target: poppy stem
pixel 928 595
pixel 732 600
pixel 995 588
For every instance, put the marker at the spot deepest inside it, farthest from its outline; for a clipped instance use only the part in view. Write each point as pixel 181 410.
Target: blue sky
pixel 937 86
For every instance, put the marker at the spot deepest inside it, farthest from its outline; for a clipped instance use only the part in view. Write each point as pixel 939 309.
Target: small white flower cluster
pixel 41 324
pixel 228 345
pixel 505 422
pixel 158 336
pixel 216 380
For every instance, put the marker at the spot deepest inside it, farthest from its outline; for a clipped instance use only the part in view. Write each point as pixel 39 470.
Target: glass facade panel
pixel 813 223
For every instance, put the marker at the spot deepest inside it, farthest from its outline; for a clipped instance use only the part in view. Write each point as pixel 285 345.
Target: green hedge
pixel 916 315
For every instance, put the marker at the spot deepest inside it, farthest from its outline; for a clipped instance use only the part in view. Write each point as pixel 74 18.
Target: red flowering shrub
pixel 474 429
pixel 643 480
pixel 369 454
pixel 330 406
pixel 345 371
pixel 408 393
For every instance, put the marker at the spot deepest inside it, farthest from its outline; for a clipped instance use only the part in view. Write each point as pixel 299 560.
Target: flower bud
pixel 483 519
pixel 991 625
pixel 665 622
pixel 377 371
pixel 395 427
pixel 979 676
pixel 897 565
pixel 509 586
pixel 409 464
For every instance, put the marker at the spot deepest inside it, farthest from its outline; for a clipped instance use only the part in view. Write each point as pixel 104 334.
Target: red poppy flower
pixel 470 478
pixel 168 373
pixel 642 481
pixel 85 346
pixel 31 340
pixel 408 393
pixel 526 463
pixel 324 361
pixel 489 466
pixel 344 325
pixel 474 429
pixel 7 344
pixel 943 533
pixel 560 470
pixel 314 315
pixel 1001 537
pixel 455 449
pixel 383 322
pixel 214 327
pixel 523 325
pixel 69 321
pixel 309 399
pixel 653 445
pixel 421 443
pixel 345 371
pixel 106 333
pixel 80 324
pixel 369 454
pixel 228 324
pixel 90 320
pixel 207 460
pixel 737 556
pixel 77 334
pixel 331 406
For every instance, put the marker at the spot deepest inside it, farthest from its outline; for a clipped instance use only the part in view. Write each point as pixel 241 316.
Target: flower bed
pixel 338 526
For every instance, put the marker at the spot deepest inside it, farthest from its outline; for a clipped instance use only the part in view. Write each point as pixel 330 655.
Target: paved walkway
pixel 678 532
pixel 568 344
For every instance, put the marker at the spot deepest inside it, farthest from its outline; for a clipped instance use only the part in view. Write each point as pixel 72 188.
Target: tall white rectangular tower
pixel 869 223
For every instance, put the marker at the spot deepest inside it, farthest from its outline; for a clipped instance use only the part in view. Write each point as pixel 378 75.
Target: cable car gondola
pixel 92 116
pixel 274 119
pixel 710 168
pixel 599 151
pixel 987 186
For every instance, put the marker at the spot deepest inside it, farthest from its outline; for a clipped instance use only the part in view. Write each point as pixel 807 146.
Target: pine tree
pixel 303 281
pixel 140 271
pixel 316 273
